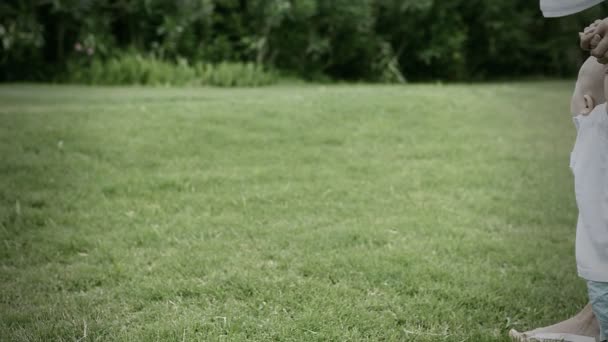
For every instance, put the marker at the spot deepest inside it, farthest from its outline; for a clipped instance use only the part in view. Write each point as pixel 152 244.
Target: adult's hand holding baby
pixel 594 38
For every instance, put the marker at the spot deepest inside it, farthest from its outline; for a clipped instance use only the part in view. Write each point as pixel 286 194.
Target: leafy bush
pixel 133 68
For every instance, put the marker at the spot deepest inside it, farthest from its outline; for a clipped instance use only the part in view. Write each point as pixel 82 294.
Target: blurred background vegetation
pixel 256 42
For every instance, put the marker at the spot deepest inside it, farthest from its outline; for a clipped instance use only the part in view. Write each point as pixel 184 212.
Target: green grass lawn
pixel 288 213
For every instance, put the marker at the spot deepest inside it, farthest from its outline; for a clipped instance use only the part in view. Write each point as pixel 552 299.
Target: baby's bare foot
pixel 582 327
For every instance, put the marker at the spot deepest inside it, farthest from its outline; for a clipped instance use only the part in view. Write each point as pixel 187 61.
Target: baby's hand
pixel 588 36
pixel 595 38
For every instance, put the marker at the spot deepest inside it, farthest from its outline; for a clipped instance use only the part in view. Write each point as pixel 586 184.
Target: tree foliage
pixel 373 40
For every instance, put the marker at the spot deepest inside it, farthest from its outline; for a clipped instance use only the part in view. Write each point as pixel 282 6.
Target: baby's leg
pixel 598 296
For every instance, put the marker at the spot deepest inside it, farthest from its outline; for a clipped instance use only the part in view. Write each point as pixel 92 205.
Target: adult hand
pixel 595 38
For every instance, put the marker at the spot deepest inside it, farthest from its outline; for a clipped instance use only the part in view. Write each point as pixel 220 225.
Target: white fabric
pixel 589 163
pixel 560 8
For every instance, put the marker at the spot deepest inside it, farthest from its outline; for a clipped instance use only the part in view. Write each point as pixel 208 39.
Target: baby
pixel 590 167
pixel 589 164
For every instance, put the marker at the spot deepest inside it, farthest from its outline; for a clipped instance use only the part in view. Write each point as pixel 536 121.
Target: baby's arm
pixel 595 38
